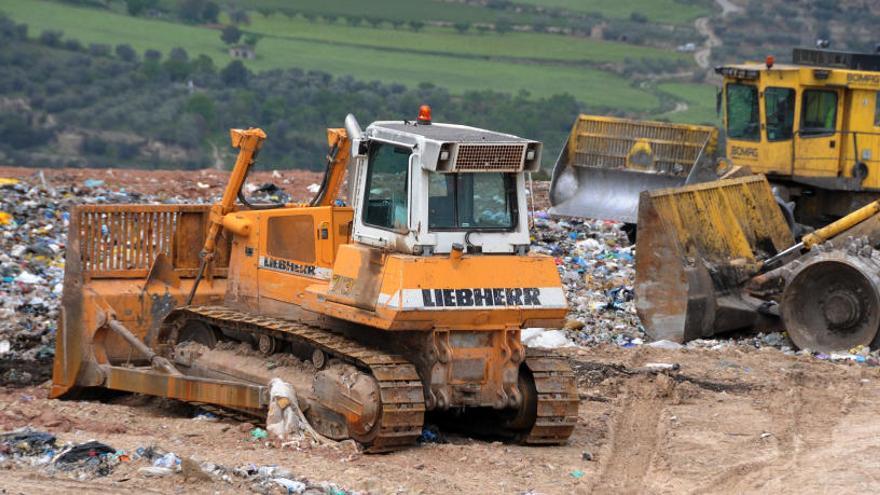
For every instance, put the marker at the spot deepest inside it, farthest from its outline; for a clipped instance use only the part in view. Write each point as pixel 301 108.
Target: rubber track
pixel 403 403
pixel 558 399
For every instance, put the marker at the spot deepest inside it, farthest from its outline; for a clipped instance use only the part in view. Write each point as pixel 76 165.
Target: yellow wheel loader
pixel 407 302
pixel 719 256
pixel 812 127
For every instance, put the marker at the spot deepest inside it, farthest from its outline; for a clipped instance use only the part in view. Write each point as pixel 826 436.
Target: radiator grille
pixel 490 157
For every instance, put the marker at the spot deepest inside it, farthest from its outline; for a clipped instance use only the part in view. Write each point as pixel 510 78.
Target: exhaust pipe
pixel 353 129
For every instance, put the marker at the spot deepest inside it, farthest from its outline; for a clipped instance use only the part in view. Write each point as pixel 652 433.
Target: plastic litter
pixel 577 474
pixel 205 416
pixel 259 433
pixel 285 420
pixel 431 434
pixel 169 460
pixel 93 183
pixel 26 441
pixel 156 472
pixel 548 339
pixel 662 366
pixel 665 344
pixel 292 486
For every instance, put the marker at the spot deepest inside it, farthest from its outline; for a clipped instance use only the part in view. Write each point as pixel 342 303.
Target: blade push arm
pixel 248 143
pixel 337 162
pixel 827 232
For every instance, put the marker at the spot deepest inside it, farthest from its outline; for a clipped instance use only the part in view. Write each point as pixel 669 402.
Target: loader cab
pixel 425 188
pixel 814 121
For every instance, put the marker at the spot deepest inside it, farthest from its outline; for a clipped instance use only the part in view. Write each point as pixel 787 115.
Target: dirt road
pixel 704 27
pixel 729 421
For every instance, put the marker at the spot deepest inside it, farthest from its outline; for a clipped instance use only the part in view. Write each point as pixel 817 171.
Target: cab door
pixel 818 139
pixel 778 125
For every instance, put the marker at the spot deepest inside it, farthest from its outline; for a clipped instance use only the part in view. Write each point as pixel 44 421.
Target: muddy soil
pixel 730 421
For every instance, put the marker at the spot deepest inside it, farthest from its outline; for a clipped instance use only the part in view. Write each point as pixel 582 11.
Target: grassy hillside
pixel 367 60
pixel 700 101
pixel 667 11
pixel 403 10
pixel 471 44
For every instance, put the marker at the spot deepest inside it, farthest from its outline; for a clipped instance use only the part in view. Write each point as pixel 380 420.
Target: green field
pixel 591 86
pixel 664 11
pixel 402 10
pixel 532 46
pixel 700 99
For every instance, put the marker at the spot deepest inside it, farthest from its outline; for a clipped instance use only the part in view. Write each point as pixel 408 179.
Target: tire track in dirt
pixel 12 482
pixel 632 444
pixel 802 417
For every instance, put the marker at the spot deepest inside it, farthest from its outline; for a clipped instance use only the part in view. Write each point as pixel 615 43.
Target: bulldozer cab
pixel 421 188
pixel 814 121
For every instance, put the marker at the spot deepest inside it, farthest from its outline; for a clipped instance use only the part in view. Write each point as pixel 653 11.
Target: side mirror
pixel 719 97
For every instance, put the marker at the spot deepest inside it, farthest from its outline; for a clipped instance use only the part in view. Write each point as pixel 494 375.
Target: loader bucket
pixel 698 246
pixel 607 162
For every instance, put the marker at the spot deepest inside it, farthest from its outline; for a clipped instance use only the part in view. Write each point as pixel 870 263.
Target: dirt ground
pixel 728 421
pixel 190 184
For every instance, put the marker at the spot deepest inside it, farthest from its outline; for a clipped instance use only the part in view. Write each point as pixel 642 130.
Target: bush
pixel 235 74
pixel 126 52
pixel 230 35
pixel 51 38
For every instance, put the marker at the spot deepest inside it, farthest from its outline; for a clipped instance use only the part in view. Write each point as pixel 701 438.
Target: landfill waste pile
pixel 596 264
pixel 92 459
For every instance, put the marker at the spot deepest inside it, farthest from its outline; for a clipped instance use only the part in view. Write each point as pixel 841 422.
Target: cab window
pixel 819 112
pixel 742 112
pixel 472 201
pixel 385 202
pixel 779 109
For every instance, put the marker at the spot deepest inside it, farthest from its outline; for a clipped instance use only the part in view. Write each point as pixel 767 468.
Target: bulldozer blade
pixel 604 194
pixel 608 161
pixel 698 247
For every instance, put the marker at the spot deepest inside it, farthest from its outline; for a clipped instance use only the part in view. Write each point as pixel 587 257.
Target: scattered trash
pixel 548 339
pixel 665 344
pixel 169 460
pixel 587 455
pixel 92 183
pixel 26 441
pixel 84 451
pixel 259 433
pixel 291 485
pixel 577 474
pixel 313 188
pixel 156 472
pixel 5 346
pixel 285 420
pixel 5 218
pixel 205 416
pixel 662 366
pixel 431 434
